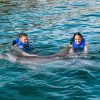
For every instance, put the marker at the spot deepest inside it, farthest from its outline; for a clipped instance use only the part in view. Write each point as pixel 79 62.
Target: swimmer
pixel 78 43
pixel 22 45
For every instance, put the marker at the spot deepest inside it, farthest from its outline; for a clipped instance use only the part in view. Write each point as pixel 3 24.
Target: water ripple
pixel 50 25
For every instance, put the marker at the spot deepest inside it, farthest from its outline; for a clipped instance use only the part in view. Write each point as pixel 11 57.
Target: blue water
pixel 50 24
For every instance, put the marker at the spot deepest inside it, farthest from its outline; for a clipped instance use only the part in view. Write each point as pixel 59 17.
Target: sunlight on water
pixel 50 24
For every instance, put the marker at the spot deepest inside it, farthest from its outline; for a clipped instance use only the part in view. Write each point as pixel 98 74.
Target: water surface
pixel 50 24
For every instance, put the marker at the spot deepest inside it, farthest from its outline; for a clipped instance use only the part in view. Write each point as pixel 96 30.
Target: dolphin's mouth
pixel 10 56
pixel 3 56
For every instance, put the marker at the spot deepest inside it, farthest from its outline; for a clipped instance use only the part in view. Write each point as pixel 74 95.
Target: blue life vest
pixel 24 47
pixel 78 47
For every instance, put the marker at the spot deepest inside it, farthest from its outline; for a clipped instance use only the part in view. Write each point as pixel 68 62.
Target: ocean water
pixel 50 24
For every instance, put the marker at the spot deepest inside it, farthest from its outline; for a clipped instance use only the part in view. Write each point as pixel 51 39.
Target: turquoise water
pixel 50 24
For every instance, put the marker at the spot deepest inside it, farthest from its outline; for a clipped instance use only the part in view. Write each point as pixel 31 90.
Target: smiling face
pixel 24 39
pixel 78 39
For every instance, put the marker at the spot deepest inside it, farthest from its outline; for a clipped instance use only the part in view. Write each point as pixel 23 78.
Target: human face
pixel 78 39
pixel 24 39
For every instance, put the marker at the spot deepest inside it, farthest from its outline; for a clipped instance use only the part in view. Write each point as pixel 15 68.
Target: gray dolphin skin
pixel 15 56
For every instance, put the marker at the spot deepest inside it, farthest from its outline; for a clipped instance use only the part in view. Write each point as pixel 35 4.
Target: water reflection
pixel 48 17
pixel 50 24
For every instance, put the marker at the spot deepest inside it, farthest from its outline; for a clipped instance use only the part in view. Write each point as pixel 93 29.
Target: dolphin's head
pixel 10 56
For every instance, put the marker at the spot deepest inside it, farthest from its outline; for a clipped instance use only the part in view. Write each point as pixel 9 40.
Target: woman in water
pixel 78 43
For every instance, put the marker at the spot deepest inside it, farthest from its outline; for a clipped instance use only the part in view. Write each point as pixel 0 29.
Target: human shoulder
pixel 86 45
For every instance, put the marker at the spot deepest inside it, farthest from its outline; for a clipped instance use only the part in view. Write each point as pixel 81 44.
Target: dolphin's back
pixel 16 56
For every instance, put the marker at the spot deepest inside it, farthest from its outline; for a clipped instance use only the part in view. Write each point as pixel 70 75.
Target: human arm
pixel 26 54
pixel 86 48
pixel 21 52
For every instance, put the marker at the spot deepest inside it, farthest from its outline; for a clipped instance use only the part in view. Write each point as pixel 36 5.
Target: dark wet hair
pixel 22 34
pixel 73 38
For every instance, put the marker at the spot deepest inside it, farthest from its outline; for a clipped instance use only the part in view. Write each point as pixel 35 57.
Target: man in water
pixel 22 45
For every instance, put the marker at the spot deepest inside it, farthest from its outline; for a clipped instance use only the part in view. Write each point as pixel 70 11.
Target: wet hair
pixel 73 38
pixel 22 34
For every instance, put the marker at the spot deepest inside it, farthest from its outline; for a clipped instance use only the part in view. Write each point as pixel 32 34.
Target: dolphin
pixel 14 56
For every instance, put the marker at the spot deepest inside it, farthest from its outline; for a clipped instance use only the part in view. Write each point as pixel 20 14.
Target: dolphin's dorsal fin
pixel 63 52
